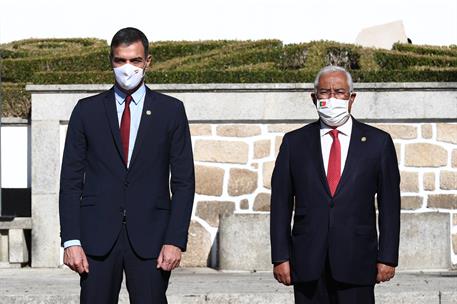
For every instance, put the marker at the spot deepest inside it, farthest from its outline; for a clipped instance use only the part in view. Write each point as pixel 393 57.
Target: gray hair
pixel 330 69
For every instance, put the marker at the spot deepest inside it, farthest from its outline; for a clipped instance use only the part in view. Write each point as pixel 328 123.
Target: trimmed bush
pixel 426 49
pixel 411 75
pixel 397 60
pixel 249 74
pixel 42 47
pixel 15 100
pixel 86 61
pixel 317 54
pixel 166 50
pixel 22 70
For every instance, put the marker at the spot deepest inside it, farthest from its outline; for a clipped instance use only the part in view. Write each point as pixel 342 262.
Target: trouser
pixel 328 291
pixel 145 283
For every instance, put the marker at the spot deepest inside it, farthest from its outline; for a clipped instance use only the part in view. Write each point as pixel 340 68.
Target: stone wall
pixel 234 163
pixel 236 133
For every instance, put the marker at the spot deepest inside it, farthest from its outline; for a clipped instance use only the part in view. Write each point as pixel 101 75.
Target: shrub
pixel 426 49
pixel 398 60
pixel 15 100
pixel 86 61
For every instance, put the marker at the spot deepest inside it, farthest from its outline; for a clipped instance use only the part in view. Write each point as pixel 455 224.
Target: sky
pixel 426 21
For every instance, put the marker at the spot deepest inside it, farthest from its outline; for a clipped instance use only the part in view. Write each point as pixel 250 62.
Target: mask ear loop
pixel 144 69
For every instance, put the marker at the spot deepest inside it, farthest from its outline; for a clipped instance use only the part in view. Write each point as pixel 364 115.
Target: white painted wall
pixel 15 154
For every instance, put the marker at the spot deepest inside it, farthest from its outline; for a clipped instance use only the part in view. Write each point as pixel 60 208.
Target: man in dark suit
pixel 125 149
pixel 330 172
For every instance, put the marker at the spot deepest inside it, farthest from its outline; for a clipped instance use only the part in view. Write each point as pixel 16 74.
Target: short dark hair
pixel 128 36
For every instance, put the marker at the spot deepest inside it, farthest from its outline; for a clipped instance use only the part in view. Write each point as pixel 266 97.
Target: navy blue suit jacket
pixel 342 227
pixel 96 188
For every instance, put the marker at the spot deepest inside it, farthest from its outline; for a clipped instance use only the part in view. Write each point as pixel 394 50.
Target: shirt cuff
pixel 71 243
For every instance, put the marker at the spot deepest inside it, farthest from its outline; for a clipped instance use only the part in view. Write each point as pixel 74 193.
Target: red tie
pixel 125 128
pixel 334 163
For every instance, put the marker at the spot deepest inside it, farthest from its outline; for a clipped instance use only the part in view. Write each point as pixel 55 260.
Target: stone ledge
pixel 14 121
pixel 17 223
pixel 271 102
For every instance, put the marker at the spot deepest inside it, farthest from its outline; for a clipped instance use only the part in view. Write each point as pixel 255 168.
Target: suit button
pixel 332 204
pixel 126 184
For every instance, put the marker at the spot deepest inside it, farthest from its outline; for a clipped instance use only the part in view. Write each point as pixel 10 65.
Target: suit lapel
pixel 317 154
pixel 147 117
pixel 111 113
pixel 354 146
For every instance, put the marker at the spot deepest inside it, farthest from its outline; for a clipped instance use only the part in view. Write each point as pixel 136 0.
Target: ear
pixel 314 98
pixel 351 101
pixel 148 61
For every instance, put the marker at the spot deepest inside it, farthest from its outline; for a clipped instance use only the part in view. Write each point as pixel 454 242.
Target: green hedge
pixel 413 75
pixel 225 58
pixel 248 74
pixel 426 49
pixel 165 50
pixel 15 100
pixel 220 55
pixel 398 60
pixel 42 47
pixel 86 61
pixel 317 54
pixel 22 70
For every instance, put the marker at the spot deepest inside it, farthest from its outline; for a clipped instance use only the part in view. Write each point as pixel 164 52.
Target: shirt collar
pixel 344 129
pixel 136 96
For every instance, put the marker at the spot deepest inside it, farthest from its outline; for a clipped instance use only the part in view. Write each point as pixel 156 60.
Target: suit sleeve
pixel 182 182
pixel 389 205
pixel 281 205
pixel 72 177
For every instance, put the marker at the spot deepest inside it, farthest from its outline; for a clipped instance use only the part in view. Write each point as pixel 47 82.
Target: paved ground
pixel 195 286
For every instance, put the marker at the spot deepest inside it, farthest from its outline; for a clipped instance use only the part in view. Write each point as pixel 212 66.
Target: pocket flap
pixel 85 202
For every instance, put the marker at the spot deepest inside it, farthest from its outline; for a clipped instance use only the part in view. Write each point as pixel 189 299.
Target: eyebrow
pixel 124 59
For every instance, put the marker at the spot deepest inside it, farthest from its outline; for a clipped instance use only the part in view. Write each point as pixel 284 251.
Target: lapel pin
pixel 363 139
pixel 148 112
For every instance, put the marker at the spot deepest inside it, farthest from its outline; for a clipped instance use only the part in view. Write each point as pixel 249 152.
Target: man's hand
pixel 169 257
pixel 385 273
pixel 75 258
pixel 281 272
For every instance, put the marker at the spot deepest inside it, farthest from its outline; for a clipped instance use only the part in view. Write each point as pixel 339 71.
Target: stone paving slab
pixel 207 286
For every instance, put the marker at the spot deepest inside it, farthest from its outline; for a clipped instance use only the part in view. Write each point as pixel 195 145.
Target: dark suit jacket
pixel 96 187
pixel 342 227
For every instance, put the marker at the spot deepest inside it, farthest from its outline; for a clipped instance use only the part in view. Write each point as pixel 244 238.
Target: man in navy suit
pixel 126 148
pixel 330 173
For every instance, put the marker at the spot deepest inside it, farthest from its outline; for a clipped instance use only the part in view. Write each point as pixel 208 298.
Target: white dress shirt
pixel 136 109
pixel 344 135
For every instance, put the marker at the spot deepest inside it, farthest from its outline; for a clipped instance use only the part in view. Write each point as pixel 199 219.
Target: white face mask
pixel 128 76
pixel 333 112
